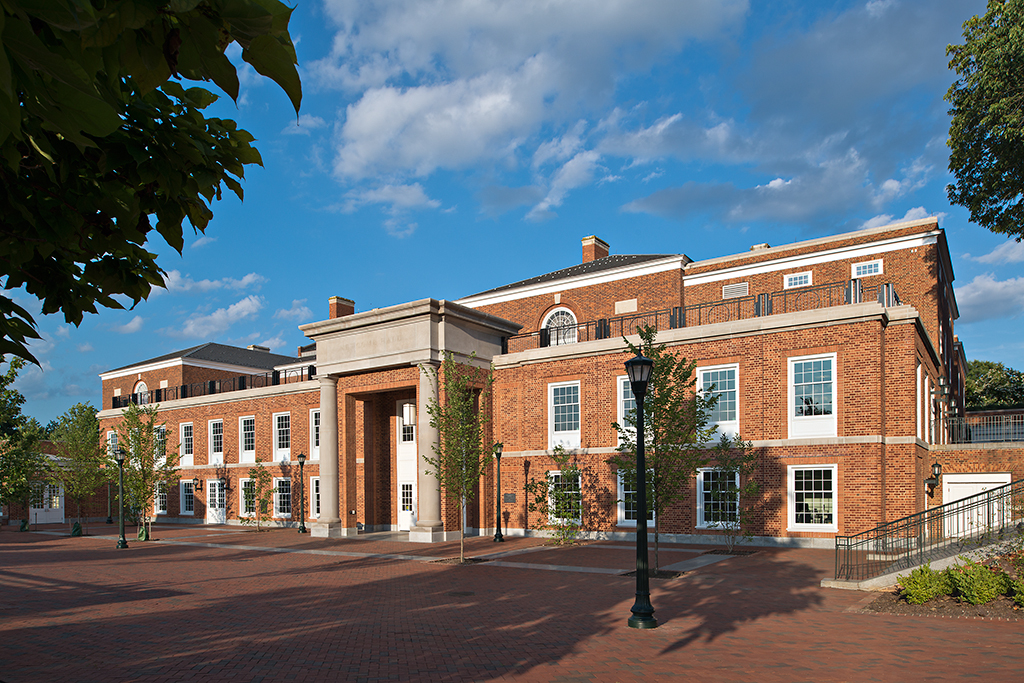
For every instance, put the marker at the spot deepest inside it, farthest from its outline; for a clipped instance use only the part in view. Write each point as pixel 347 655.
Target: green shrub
pixel 1017 591
pixel 924 584
pixel 978 584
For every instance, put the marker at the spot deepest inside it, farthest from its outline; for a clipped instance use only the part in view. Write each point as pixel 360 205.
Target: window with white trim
pixel 282 436
pixel 406 494
pixel 812 498
pixel 247 438
pixel 216 441
pixel 314 497
pixel 282 497
pixel 246 497
pixel 627 502
pixel 722 382
pixel 812 392
pixel 314 434
pixel 186 443
pixel 160 498
pixel 561 326
pixel 798 280
pixel 112 444
pixel 565 507
pixel 141 392
pixel 564 415
pixel 160 445
pixel 859 270
pixel 187 498
pixel 626 403
pixel 717 498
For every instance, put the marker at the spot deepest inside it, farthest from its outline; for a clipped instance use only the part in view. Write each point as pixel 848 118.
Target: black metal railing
pixel 727 310
pixel 985 428
pixel 216 386
pixel 938 533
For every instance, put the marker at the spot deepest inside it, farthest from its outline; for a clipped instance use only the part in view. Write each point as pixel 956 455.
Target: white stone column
pixel 428 525
pixel 329 520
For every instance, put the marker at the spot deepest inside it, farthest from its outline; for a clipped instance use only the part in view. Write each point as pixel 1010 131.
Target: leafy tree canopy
pixel 992 385
pixel 80 460
pixel 986 134
pixel 100 143
pixel 21 462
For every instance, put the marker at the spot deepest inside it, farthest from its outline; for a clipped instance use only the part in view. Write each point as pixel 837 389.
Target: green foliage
pixel 992 385
pixel 257 496
pixel 148 462
pixel 977 583
pixel 21 462
pixel 677 430
pixel 98 137
pixel 924 584
pixel 1016 591
pixel 986 133
pixel 80 461
pixel 459 414
pixel 559 498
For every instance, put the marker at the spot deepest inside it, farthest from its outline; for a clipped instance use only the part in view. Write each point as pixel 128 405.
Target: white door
pixel 216 512
pixel 47 503
pixel 980 515
pixel 406 465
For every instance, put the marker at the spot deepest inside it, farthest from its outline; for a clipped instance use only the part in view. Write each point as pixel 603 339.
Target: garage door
pixel 978 515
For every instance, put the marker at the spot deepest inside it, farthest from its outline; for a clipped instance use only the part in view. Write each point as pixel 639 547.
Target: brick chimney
pixel 339 307
pixel 594 248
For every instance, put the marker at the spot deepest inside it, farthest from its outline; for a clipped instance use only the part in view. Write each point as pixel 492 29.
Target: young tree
pixel 677 430
pixel 80 461
pixel 986 132
pixel 148 466
pixel 257 495
pixel 559 497
pixel 21 462
pixel 98 137
pixel 730 502
pixel 459 415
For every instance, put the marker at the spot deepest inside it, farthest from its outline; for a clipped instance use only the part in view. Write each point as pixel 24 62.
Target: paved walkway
pixel 219 603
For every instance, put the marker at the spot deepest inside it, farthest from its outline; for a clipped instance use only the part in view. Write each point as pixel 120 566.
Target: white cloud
pixel 304 125
pixel 914 214
pixel 396 198
pixel 299 311
pixel 132 326
pixel 85 348
pixel 274 344
pixel 574 173
pixel 63 331
pixel 203 241
pixel 178 283
pixel 1007 252
pixel 985 298
pixel 205 326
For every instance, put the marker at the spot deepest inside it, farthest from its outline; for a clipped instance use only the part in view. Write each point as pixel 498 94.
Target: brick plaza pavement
pixel 220 604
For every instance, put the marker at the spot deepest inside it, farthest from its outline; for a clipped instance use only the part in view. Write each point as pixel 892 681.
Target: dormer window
pixel 142 391
pixel 561 326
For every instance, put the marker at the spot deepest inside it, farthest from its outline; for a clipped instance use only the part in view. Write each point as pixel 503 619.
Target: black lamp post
pixel 498 538
pixel 639 371
pixel 110 517
pixel 302 495
pixel 119 456
pixel 195 492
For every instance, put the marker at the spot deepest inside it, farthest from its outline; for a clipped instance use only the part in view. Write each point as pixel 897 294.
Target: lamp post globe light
pixel 302 495
pixel 639 370
pixel 119 456
pixel 498 538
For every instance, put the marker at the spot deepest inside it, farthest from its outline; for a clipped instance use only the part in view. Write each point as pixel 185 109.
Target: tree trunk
pixel 462 531
pixel 656 567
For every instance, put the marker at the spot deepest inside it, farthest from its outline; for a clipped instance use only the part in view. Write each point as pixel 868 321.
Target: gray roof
pixel 595 266
pixel 222 353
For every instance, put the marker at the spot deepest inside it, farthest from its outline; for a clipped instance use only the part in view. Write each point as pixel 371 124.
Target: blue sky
pixel 449 146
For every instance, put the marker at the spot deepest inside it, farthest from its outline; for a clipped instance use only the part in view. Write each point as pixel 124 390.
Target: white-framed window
pixel 141 392
pixel 798 280
pixel 216 440
pixel 111 444
pixel 407 430
pixel 627 502
pixel 812 395
pixel 561 326
pixel 246 497
pixel 722 381
pixel 160 498
pixel 717 498
pixel 406 494
pixel 282 497
pixel 314 434
pixel 247 438
pixel 564 508
pixel 314 497
pixel 564 415
pixel 282 436
pixel 625 402
pixel 160 445
pixel 859 270
pixel 186 498
pixel 186 443
pixel 812 498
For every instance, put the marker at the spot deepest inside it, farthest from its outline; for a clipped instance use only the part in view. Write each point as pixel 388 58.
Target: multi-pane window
pixel 314 419
pixel 812 387
pixel 798 280
pixel 564 414
pixel 248 432
pixel 406 497
pixel 216 442
pixel 812 497
pixel 161 498
pixel 160 444
pixel 283 435
pixel 565 498
pixel 867 268
pixel 314 496
pixel 187 444
pixel 408 431
pixel 721 384
pixel 188 498
pixel 718 503
pixel 248 497
pixel 626 401
pixel 283 497
pixel 112 444
pixel 628 502
pixel 561 327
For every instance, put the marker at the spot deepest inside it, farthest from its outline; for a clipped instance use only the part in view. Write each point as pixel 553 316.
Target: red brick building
pixel 836 357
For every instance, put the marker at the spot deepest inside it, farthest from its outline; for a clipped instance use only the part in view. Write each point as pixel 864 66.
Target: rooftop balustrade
pixel 216 386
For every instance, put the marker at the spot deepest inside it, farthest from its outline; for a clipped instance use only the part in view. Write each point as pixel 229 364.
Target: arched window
pixel 561 326
pixel 142 391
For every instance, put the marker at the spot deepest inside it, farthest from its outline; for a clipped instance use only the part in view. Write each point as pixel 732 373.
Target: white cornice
pixel 176 362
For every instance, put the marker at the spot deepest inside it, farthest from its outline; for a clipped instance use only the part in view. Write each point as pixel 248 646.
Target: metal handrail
pixel 216 386
pixel 985 428
pixel 937 533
